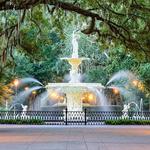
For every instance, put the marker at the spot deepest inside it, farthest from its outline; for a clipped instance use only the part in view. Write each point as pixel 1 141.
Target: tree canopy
pixel 114 22
pixel 34 34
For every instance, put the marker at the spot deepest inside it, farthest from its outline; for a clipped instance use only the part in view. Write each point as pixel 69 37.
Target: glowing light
pixel 141 86
pixel 115 91
pixel 54 95
pixel 138 84
pixel 34 92
pixel 61 98
pixel 88 97
pixel 26 88
pixel 91 96
pixel 16 82
pixel 135 82
pixel 84 100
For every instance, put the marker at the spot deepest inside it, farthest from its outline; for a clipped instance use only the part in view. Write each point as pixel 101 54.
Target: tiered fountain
pixel 75 93
pixel 74 90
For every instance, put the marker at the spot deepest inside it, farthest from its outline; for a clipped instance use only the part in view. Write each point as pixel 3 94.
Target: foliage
pixel 22 121
pixel 99 68
pixel 32 40
pixel 97 75
pixel 119 60
pixel 47 67
pixel 127 122
pixel 5 93
pixel 114 23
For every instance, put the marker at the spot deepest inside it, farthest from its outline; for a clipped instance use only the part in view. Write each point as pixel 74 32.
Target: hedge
pixel 22 121
pixel 127 122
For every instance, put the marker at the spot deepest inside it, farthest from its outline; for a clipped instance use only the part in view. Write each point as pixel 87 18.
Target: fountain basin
pixel 74 92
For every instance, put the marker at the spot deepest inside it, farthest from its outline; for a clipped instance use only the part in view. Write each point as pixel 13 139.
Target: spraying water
pixel 136 105
pixel 122 75
pixel 13 106
pixel 28 80
pixel 21 97
pixel 41 100
pixel 102 100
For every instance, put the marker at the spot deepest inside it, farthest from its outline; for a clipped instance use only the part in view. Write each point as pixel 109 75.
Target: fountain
pixel 75 95
pixel 74 90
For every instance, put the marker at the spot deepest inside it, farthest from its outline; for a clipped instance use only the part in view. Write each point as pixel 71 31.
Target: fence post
pixel 66 116
pixel 85 121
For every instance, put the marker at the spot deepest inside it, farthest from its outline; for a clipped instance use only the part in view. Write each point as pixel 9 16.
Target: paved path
pixel 74 138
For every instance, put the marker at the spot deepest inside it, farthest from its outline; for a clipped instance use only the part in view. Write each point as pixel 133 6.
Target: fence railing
pixel 74 117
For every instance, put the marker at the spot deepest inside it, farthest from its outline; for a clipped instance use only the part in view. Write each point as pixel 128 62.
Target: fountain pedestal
pixel 74 102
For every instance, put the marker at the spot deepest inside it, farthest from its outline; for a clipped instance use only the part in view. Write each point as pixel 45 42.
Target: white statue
pixel 126 108
pixel 24 111
pixel 75 46
pixel 125 111
pixel 24 107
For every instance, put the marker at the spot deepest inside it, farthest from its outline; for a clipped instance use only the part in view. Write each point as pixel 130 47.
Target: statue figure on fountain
pixel 125 110
pixel 75 46
pixel 24 111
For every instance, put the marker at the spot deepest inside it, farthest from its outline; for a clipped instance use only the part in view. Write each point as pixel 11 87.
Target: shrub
pixel 22 121
pixel 127 122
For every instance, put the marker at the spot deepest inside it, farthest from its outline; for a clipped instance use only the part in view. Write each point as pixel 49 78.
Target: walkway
pixel 74 138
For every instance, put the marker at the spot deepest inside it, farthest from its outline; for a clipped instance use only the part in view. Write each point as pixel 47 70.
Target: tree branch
pixel 117 30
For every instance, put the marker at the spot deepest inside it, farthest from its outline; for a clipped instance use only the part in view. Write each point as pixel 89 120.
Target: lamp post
pixel 26 89
pixel 33 97
pixel 6 105
pixel 6 109
pixel 16 83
